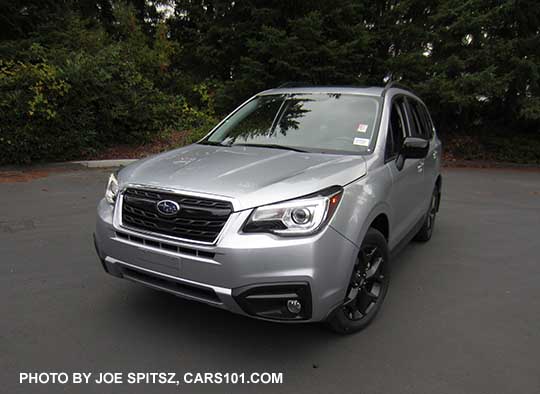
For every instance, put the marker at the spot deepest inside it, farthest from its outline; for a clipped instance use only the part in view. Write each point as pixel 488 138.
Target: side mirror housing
pixel 412 148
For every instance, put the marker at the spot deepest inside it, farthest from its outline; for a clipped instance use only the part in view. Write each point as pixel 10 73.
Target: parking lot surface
pixel 462 314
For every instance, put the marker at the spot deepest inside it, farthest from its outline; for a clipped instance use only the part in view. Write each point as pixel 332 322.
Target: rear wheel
pixel 367 287
pixel 426 231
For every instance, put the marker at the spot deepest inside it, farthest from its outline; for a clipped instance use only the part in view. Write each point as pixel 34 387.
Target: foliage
pixel 78 90
pixel 494 146
pixel 477 63
pixel 80 75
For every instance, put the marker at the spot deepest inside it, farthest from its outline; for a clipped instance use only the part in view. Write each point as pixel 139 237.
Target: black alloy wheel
pixel 367 287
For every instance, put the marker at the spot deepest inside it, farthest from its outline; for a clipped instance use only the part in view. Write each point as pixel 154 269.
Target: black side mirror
pixel 412 148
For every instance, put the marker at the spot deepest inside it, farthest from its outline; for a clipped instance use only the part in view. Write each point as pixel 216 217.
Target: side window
pixel 397 129
pixel 425 114
pixel 422 125
pixel 418 129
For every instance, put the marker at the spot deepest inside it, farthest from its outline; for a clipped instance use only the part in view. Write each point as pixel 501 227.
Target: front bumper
pixel 249 274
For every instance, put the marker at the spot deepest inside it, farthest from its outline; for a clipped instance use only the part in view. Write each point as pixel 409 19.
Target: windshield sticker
pixel 361 141
pixel 362 128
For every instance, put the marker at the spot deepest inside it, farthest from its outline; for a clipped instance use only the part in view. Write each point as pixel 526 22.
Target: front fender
pixel 363 200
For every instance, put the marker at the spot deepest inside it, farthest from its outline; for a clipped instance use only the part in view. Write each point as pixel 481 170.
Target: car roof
pixel 376 91
pixel 371 91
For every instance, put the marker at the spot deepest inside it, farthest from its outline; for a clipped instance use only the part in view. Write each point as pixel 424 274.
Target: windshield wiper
pixel 272 146
pixel 213 143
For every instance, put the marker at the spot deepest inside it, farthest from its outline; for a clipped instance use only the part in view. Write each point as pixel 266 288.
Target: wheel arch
pixel 378 218
pixel 381 224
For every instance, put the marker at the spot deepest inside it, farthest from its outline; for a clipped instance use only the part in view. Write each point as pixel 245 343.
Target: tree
pixel 475 62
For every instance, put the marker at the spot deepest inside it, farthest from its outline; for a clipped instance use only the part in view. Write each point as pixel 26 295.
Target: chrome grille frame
pixel 118 209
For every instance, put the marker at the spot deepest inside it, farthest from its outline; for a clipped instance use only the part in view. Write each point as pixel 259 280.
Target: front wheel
pixel 367 287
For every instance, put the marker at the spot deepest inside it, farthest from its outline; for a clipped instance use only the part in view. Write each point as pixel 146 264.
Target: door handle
pixel 420 166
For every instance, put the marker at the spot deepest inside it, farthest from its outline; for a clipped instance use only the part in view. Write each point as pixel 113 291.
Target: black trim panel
pixel 269 300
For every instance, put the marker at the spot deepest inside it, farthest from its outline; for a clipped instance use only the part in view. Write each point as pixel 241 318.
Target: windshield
pixel 308 122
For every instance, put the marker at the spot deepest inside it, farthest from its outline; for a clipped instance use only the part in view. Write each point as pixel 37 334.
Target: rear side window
pixel 424 112
pixel 397 129
pixel 420 119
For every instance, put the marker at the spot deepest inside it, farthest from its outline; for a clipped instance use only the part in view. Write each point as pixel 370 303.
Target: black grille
pixel 199 219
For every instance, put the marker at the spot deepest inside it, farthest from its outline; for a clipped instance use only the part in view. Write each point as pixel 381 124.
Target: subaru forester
pixel 289 210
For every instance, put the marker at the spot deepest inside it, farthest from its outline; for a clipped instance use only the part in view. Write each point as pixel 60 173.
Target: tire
pixel 426 230
pixel 367 287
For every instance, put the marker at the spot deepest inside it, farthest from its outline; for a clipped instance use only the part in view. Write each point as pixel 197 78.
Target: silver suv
pixel 288 210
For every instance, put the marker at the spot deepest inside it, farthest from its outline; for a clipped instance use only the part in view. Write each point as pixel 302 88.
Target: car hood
pixel 249 176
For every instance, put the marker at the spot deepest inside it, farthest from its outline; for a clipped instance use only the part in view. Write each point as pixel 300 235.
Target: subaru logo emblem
pixel 168 207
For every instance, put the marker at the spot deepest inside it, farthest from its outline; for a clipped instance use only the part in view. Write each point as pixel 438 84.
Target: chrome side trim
pixel 117 217
pixel 219 290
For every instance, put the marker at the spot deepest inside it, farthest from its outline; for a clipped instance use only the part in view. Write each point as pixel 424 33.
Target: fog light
pixel 294 306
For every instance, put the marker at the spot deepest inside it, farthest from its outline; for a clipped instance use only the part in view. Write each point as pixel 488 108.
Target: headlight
pixel 303 216
pixel 112 189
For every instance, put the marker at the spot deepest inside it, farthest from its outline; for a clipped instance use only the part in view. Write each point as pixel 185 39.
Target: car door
pixel 407 182
pixel 433 159
pixel 422 128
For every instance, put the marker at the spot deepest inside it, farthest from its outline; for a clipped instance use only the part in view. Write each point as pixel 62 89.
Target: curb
pixel 104 163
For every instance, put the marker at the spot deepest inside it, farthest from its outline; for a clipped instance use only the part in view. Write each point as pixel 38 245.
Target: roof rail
pixel 394 84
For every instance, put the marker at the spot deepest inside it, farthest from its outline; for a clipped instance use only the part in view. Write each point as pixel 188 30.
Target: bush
pixel 30 102
pixel 519 148
pixel 69 99
pixel 53 113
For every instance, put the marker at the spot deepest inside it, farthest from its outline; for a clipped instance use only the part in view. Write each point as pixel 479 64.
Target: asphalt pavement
pixel 462 314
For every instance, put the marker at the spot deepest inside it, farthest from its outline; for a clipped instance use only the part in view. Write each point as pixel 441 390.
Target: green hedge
pixel 79 90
